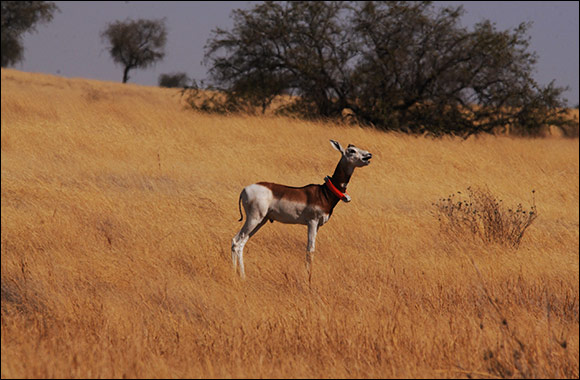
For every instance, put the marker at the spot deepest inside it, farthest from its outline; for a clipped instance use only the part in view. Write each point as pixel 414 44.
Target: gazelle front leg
pixel 312 230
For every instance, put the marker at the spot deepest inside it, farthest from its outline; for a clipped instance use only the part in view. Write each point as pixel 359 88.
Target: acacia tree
pixel 19 17
pixel 397 65
pixel 135 43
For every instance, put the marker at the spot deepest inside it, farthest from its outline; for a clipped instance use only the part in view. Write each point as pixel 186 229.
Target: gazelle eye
pixel 350 151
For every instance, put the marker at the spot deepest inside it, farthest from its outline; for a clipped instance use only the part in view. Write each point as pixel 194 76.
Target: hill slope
pixel 118 209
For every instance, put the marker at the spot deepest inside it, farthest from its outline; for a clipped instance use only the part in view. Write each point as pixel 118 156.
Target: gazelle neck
pixel 342 175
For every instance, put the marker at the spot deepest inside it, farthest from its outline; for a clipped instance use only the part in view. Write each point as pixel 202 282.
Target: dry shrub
pixel 483 215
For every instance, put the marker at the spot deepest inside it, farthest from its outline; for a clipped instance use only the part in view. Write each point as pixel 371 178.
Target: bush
pixel 174 80
pixel 482 215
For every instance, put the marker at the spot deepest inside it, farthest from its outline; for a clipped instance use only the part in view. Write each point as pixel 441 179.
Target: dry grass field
pixel 118 210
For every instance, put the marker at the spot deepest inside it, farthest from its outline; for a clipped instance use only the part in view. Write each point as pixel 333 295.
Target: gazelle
pixel 310 205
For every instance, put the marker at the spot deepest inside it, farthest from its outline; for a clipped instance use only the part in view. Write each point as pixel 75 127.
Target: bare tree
pixel 135 44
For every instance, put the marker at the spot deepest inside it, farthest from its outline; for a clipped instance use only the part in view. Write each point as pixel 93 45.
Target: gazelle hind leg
pixel 251 226
pixel 234 252
pixel 256 201
pixel 238 243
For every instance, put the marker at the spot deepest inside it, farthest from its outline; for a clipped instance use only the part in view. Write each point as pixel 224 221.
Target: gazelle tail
pixel 240 207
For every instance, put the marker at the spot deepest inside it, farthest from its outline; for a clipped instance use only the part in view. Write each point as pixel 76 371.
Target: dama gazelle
pixel 311 205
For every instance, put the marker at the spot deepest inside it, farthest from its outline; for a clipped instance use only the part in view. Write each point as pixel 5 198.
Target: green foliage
pixel 480 214
pixel 135 43
pixel 405 66
pixel 19 17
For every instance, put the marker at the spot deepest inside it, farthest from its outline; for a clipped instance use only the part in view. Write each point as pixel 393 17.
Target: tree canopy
pixel 19 17
pixel 406 66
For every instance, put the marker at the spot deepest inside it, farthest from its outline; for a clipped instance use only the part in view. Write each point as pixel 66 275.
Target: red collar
pixel 343 196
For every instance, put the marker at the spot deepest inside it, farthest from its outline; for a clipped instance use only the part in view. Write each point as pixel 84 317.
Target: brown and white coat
pixel 310 205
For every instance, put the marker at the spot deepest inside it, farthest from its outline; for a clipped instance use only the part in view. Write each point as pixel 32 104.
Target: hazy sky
pixel 71 46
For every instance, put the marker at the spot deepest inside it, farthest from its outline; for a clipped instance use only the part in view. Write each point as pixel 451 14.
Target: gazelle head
pixel 354 156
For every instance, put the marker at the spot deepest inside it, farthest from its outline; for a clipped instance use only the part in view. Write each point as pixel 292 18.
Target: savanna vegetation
pixel 400 66
pixel 119 203
pixel 174 80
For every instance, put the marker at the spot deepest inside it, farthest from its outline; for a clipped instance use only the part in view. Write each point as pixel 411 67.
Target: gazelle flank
pixel 310 205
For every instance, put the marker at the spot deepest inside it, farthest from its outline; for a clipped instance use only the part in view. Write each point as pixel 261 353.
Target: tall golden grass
pixel 118 209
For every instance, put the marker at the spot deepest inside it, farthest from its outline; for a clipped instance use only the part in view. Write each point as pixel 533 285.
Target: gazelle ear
pixel 336 145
